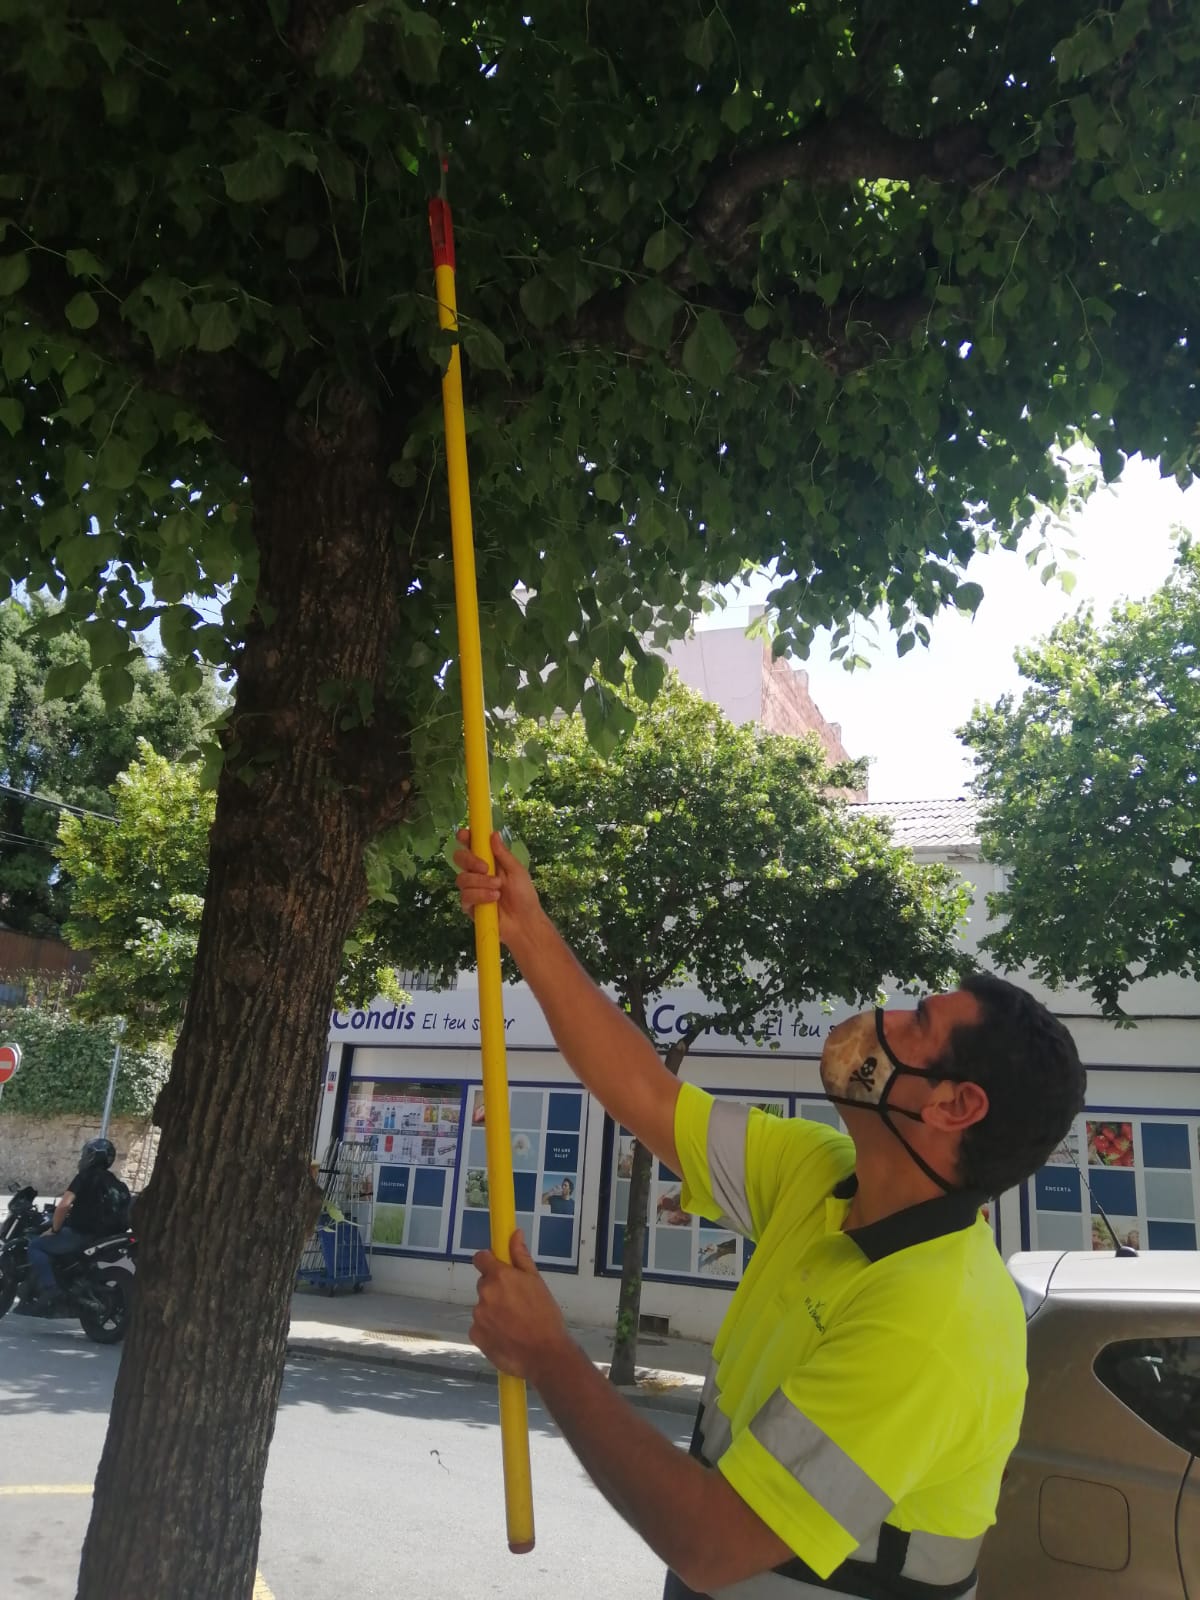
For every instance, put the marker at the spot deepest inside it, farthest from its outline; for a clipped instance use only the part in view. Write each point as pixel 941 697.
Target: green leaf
pixel 117 465
pixel 259 177
pixel 967 596
pixel 648 676
pixel 829 286
pixel 757 316
pixel 116 687
pixel 483 349
pixel 709 351
pixel 700 41
pixel 650 313
pixel 662 248
pixel 82 311
pixel 216 329
pixel 737 111
pixel 607 486
pixel 12 415
pixel 343 47
pixel 66 679
pixel 110 42
pixel 419 46
pixel 14 272
pixel 83 264
pixel 120 98
pixel 541 300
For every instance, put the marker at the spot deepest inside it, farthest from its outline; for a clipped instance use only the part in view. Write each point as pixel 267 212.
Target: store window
pixel 1141 1172
pixel 677 1244
pixel 548 1131
pixel 413 1128
pixel 1160 1380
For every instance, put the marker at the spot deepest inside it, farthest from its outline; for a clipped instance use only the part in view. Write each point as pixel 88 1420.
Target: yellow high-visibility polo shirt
pixel 867 1386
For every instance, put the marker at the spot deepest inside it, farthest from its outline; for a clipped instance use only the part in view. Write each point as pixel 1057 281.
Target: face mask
pixel 858 1068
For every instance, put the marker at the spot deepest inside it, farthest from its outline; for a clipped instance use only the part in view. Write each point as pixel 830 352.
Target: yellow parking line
pixel 261 1591
pixel 45 1488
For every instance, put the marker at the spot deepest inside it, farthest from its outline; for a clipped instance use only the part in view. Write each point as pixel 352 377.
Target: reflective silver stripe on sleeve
pixel 716 1431
pixel 727 1123
pixel 938 1558
pixel 836 1482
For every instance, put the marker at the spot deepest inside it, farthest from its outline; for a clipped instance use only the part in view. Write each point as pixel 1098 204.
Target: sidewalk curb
pixel 682 1398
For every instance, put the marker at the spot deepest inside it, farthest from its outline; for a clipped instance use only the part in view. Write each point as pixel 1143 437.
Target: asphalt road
pixel 384 1482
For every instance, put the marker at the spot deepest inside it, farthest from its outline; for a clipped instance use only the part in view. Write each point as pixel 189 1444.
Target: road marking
pixel 261 1591
pixel 45 1488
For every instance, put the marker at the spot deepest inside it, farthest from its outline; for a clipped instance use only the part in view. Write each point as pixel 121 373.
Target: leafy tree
pixel 70 750
pixel 1090 781
pixel 140 874
pixel 822 286
pixel 701 851
pixel 139 893
pixel 66 1063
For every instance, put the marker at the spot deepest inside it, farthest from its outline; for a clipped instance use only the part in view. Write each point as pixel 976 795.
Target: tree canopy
pixel 1090 781
pixel 823 288
pixel 70 750
pixel 828 287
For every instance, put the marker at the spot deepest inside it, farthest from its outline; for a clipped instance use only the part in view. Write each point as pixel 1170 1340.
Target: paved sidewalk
pixel 433 1336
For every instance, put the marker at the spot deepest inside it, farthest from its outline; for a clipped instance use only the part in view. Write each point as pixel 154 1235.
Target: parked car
pixel 1101 1500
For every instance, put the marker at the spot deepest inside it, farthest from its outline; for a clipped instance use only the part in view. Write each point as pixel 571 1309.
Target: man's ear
pixel 955 1107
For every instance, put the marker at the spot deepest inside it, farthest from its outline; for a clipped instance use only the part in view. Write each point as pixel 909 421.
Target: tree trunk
pixel 623 1370
pixel 629 1303
pixel 220 1229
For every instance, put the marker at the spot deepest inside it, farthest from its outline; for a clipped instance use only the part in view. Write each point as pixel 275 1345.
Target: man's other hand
pixel 517 1323
pixel 510 888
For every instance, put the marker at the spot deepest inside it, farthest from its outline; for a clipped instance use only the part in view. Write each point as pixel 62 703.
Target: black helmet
pixel 97 1153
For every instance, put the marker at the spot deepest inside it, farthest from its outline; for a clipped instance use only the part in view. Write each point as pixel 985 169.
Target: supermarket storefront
pixel 404 1082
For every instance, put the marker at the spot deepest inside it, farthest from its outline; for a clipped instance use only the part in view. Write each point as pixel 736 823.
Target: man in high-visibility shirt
pixel 868 1380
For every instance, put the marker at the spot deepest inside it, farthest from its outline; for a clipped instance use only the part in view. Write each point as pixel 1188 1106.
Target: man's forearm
pixel 661 1493
pixel 604 1049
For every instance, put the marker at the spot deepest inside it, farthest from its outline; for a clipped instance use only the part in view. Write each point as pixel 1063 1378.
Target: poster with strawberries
pixel 1110 1144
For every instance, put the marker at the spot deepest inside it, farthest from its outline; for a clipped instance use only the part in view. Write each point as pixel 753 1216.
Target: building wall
pixel 737 673
pixel 44 1151
pixel 1138 1143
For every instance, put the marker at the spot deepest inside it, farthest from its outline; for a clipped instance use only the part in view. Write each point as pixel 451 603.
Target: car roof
pixel 1173 1274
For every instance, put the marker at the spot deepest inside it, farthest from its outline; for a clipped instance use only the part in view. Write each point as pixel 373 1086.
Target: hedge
pixel 65 1066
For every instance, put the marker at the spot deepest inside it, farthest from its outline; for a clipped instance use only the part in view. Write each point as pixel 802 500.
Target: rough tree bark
pixel 629 1302
pixel 177 1503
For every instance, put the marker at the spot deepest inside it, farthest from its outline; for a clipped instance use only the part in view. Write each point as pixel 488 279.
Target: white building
pixel 407 1079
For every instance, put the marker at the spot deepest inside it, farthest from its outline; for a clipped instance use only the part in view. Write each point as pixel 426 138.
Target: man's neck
pixel 886 1186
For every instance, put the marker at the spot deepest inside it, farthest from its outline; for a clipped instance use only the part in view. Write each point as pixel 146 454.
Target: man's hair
pixel 1026 1062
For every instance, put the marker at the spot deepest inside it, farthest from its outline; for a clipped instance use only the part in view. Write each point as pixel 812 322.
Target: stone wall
pixel 44 1151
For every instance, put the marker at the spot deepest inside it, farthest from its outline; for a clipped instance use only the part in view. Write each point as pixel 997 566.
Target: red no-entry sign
pixel 10 1060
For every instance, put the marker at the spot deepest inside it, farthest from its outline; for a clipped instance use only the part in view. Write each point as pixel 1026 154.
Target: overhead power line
pixel 55 805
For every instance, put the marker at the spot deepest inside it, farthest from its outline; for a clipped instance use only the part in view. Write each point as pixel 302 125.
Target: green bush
pixel 65 1066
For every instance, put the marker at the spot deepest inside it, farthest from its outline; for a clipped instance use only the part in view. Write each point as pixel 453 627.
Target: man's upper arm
pixel 735 1159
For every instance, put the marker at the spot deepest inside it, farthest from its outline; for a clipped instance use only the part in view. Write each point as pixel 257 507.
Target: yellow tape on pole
pixel 514 1416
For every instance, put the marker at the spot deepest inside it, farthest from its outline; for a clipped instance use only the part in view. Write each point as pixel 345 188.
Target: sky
pixel 902 713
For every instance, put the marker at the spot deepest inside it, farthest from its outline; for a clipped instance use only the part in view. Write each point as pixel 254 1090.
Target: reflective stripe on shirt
pixel 727 1163
pixel 822 1468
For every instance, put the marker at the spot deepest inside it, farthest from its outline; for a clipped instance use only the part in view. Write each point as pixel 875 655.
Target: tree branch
pixel 854 146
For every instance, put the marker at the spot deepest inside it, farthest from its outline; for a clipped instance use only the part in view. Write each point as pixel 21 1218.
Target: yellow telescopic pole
pixel 514 1416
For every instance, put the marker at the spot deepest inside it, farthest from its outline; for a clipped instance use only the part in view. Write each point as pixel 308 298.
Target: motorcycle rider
pixel 83 1203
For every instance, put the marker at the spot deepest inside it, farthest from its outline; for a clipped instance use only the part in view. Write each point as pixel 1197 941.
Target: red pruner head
pixel 441 231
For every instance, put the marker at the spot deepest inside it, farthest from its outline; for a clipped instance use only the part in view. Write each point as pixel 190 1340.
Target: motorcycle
pixel 97 1283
